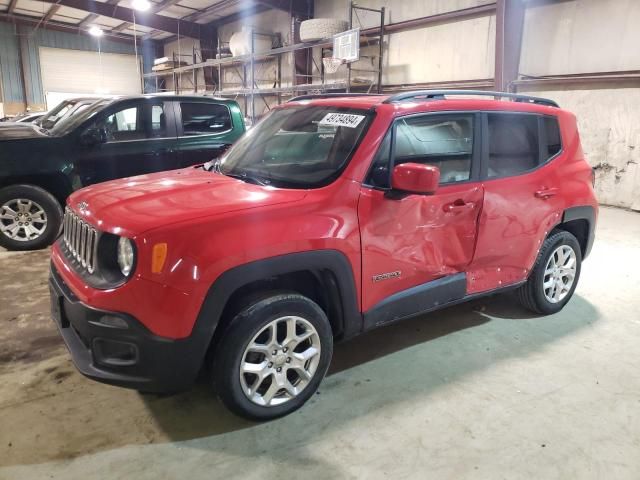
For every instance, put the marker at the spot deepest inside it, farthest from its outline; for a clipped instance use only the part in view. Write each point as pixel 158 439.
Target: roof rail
pixel 440 95
pixel 333 95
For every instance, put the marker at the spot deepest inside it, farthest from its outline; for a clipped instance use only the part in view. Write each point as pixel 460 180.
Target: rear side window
pixel 513 144
pixel 553 139
pixel 204 118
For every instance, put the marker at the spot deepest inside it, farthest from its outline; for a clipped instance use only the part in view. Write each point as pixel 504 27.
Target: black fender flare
pixel 588 213
pixel 231 280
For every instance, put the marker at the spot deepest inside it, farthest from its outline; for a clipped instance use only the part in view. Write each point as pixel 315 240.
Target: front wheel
pixel 273 356
pixel 30 217
pixel 554 276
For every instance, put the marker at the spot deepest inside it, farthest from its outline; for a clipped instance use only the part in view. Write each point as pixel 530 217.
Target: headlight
pixel 126 256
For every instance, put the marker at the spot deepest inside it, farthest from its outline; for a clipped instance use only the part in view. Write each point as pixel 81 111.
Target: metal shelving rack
pixel 249 67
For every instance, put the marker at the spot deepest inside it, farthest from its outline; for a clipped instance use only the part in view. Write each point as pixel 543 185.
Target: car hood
pixel 134 205
pixel 20 131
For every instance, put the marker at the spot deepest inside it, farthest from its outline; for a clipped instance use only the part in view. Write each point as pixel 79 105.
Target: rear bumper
pixel 115 348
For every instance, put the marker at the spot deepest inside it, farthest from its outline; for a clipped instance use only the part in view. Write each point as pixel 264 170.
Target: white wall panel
pixel 581 36
pixel 83 72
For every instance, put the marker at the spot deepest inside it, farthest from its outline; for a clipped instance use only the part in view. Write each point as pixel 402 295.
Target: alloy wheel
pixel 22 219
pixel 559 273
pixel 280 361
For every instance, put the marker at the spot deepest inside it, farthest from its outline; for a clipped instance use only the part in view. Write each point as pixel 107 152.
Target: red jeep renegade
pixel 334 215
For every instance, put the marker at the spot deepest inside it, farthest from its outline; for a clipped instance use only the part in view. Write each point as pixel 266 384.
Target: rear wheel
pixel 273 356
pixel 554 276
pixel 30 217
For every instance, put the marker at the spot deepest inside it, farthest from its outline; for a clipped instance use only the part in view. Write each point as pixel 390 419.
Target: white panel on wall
pixel 581 36
pixel 84 72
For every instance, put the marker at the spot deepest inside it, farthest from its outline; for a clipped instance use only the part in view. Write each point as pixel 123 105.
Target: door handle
pixel 546 193
pixel 459 206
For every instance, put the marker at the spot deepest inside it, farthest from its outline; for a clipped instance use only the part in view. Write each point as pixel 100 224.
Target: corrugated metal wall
pixel 12 89
pixel 12 85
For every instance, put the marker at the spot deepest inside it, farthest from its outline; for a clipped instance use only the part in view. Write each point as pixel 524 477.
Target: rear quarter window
pixel 553 140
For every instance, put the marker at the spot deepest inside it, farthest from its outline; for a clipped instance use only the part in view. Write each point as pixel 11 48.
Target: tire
pixel 43 221
pixel 535 295
pixel 319 28
pixel 271 395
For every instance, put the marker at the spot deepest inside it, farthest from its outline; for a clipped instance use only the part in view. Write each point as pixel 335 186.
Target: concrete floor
pixel 482 390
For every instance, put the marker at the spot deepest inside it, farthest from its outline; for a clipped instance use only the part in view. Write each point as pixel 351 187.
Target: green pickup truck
pixel 108 139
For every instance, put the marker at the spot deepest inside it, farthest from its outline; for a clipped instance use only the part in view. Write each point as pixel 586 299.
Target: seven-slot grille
pixel 81 239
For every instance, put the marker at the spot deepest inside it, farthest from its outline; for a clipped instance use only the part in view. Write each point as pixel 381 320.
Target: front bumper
pixel 115 348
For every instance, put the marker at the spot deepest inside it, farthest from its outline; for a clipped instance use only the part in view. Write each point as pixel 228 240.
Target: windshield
pixel 79 114
pixel 60 112
pixel 297 147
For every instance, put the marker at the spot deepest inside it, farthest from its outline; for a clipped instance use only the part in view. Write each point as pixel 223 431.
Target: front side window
pixel 445 141
pixel 122 125
pixel 134 122
pixel 513 144
pixel 441 140
pixel 297 147
pixel 204 118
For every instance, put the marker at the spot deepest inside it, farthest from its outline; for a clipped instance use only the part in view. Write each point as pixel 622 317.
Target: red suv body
pixel 338 202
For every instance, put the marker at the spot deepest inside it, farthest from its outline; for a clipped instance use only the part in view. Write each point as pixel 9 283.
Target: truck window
pixel 123 125
pixel 204 118
pixel 158 122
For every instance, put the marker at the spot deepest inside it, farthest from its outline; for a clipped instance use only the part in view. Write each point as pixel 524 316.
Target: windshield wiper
pixel 245 177
pixel 216 167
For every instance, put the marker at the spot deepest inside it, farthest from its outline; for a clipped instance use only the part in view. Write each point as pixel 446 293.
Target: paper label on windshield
pixel 342 120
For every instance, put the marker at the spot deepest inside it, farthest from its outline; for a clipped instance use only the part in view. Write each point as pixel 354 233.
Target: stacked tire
pixel 319 28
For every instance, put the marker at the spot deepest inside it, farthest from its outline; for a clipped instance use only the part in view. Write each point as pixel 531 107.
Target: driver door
pixel 138 137
pixel 415 248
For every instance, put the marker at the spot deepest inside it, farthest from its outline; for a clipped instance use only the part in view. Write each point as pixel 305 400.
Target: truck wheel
pixel 30 217
pixel 273 356
pixel 554 276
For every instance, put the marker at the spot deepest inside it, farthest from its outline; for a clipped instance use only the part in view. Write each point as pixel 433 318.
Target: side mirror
pixel 415 178
pixel 93 136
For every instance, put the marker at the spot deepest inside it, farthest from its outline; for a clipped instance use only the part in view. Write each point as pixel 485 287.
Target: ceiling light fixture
pixel 141 5
pixel 95 31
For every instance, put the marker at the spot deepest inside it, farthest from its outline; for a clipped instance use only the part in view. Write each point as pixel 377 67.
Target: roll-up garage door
pixel 83 72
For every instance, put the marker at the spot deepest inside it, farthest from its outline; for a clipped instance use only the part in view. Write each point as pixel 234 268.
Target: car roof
pixel 174 97
pixel 434 100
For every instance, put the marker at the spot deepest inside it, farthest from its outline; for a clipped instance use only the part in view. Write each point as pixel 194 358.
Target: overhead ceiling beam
pixel 12 6
pixel 211 9
pixel 253 9
pixel 51 12
pixel 18 19
pixel 158 22
pixel 123 26
pixel 296 6
pixel 89 19
pixel 156 7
